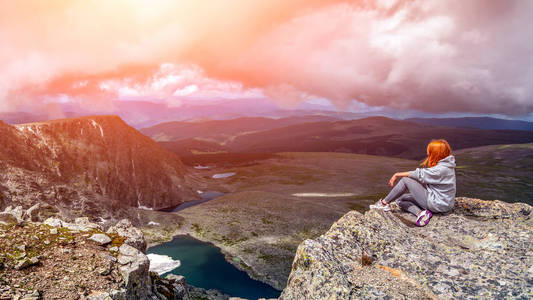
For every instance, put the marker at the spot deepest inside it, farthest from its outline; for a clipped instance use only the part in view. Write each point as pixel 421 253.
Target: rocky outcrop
pixel 77 260
pixel 481 249
pixel 85 162
pixel 134 236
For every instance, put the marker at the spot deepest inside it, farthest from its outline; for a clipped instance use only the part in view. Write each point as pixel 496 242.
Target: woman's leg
pixel 409 185
pixel 407 202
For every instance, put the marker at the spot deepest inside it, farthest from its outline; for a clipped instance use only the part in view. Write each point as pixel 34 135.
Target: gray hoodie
pixel 440 184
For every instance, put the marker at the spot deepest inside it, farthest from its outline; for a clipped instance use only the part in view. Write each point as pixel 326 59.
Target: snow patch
pixel 199 192
pixel 144 207
pixel 152 223
pixel 323 194
pixel 162 264
pixel 223 175
pixel 96 125
pixel 200 167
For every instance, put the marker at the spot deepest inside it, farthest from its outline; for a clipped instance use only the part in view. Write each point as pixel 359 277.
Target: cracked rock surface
pixel 480 249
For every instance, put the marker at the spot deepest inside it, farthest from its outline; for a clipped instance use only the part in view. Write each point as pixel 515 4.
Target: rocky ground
pixel 482 249
pixel 55 259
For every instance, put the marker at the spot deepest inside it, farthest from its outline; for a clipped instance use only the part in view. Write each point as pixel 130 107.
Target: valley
pixel 265 212
pixel 274 204
pixel 257 207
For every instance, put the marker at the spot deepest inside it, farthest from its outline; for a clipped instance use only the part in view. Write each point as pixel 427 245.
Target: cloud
pixel 434 56
pixel 418 55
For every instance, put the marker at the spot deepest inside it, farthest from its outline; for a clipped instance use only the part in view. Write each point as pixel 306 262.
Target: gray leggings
pixel 410 194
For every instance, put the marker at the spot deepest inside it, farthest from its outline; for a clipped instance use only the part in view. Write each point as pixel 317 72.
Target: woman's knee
pixel 407 179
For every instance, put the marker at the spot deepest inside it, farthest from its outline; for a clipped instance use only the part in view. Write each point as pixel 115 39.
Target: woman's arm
pixel 433 175
pixel 396 176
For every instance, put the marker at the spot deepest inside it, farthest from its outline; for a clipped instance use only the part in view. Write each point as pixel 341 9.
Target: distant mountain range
pixel 476 122
pixel 223 130
pixel 87 164
pixel 141 114
pixel 374 135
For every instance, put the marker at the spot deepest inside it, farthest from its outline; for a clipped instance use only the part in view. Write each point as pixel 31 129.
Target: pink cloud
pixel 434 56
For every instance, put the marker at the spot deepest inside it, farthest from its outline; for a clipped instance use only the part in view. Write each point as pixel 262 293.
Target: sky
pixel 436 57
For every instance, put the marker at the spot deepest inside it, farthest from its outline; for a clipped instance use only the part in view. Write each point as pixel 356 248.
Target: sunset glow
pixel 431 56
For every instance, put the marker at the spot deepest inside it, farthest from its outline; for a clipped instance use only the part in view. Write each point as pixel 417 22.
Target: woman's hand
pixel 396 176
pixel 393 179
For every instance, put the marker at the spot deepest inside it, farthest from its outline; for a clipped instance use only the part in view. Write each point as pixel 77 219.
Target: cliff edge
pixel 480 249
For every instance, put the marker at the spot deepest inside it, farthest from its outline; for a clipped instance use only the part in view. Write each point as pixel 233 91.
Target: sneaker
pixel 379 205
pixel 423 218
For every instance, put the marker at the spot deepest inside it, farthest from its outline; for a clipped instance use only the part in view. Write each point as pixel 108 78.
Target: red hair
pixel 437 150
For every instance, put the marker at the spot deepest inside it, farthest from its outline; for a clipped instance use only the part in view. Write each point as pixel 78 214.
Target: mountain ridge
pixel 99 156
pixel 476 122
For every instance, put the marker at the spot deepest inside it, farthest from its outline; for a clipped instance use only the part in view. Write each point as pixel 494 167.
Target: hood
pixel 448 161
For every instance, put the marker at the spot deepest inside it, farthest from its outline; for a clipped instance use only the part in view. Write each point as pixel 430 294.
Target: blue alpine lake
pixel 203 265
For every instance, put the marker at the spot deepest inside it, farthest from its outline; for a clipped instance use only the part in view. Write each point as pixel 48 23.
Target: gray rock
pixel 136 274
pixel 26 263
pixel 105 270
pixel 124 260
pixel 480 249
pixel 17 212
pixel 100 239
pixel 53 231
pixel 108 257
pixel 118 294
pixel 128 250
pixel 133 235
pixel 99 295
pixel 82 224
pixel 54 222
pixel 12 215
pixel 32 213
pixel 7 218
pixel 177 284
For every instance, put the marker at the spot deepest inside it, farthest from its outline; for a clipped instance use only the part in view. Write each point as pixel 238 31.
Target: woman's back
pixel 440 183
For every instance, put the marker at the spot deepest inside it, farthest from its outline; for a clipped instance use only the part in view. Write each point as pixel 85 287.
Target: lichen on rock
pixel 480 249
pixel 59 259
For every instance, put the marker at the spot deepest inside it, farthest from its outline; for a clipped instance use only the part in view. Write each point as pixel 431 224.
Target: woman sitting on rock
pixel 430 188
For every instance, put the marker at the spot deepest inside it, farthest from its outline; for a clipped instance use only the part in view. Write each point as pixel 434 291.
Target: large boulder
pixel 32 213
pixel 134 236
pixel 480 249
pixel 79 224
pixel 12 215
pixel 135 271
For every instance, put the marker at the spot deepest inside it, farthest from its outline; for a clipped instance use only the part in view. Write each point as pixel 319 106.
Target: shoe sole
pixel 385 209
pixel 424 220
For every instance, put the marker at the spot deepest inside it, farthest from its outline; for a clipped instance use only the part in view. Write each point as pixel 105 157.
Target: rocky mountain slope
pixel 482 249
pixel 83 163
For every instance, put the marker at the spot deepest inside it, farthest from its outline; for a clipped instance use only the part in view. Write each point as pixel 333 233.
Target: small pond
pixel 204 197
pixel 203 265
